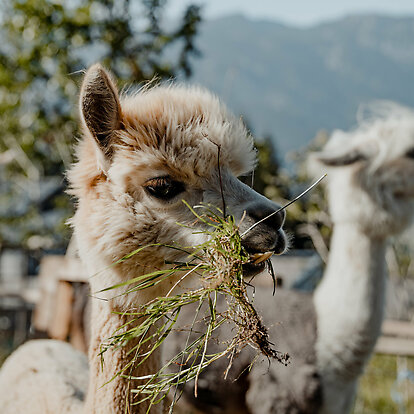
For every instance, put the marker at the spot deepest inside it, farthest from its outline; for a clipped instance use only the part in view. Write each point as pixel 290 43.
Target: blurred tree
pixel 45 44
pixel 307 220
pixel 268 178
pixel 309 215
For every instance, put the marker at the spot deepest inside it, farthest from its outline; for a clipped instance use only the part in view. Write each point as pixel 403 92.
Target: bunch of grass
pixel 218 263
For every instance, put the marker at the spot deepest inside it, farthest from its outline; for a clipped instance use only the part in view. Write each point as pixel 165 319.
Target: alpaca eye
pixel 164 188
pixel 410 153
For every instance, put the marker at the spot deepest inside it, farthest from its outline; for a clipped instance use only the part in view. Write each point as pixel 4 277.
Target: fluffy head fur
pixel 371 170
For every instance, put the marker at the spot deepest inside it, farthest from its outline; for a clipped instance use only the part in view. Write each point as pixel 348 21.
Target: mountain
pixel 291 82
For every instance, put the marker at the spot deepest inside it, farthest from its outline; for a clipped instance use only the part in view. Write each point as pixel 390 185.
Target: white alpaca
pixel 140 156
pixel 371 197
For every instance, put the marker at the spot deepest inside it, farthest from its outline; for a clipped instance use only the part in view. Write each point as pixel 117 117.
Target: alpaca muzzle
pixel 262 230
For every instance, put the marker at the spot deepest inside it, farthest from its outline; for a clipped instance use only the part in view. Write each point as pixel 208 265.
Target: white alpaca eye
pixel 164 188
pixel 410 153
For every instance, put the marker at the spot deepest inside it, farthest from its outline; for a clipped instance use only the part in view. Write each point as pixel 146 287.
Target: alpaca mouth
pixel 250 269
pixel 256 264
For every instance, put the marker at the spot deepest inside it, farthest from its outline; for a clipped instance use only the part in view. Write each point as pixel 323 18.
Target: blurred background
pixel 294 71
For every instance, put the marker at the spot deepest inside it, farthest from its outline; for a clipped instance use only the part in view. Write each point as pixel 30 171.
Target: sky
pixel 296 12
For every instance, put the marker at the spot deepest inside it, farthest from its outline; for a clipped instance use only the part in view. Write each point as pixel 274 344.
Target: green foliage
pixel 45 46
pixel 403 265
pixel 378 384
pixel 309 216
pixel 306 219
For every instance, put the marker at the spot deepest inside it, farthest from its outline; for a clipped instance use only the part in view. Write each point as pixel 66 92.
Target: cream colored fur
pixel 128 142
pixel 44 376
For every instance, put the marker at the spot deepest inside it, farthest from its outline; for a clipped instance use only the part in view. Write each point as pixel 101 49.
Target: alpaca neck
pixel 349 302
pixel 109 393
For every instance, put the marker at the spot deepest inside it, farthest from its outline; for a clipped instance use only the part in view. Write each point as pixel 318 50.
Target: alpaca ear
pixel 100 107
pixel 338 160
pixel 333 158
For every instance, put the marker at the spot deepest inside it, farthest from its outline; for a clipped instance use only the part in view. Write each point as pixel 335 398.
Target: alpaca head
pixel 371 170
pixel 142 155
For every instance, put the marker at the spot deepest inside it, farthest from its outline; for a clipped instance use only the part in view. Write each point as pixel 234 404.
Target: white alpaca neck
pixel 349 305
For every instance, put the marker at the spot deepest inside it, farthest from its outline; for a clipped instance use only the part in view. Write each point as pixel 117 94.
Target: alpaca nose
pixel 267 214
pixel 263 228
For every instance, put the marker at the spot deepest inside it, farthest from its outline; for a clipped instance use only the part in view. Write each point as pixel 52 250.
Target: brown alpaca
pixel 140 156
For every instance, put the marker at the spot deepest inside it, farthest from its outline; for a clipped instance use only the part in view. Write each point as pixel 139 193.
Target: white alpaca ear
pixel 337 160
pixel 100 107
pixel 332 158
